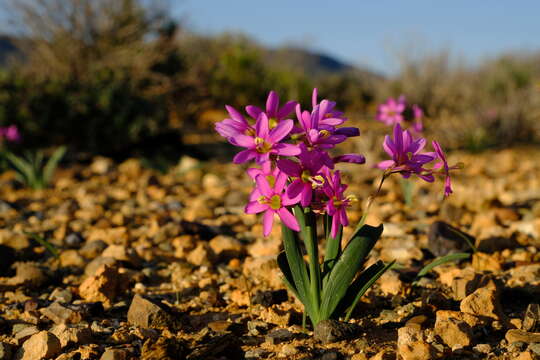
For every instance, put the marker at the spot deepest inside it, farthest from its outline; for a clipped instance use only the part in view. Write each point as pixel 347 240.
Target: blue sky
pixel 373 32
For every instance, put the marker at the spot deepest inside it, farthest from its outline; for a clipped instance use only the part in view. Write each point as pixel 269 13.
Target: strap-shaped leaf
pixel 440 261
pixel 287 275
pixel 52 163
pixel 366 286
pixel 349 299
pixel 23 167
pixel 298 270
pixel 332 252
pixel 345 269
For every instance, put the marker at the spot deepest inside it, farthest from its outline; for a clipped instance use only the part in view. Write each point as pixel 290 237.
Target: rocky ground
pixel 122 262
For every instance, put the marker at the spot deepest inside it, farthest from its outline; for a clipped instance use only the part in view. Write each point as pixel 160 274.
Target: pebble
pixel 452 328
pixel 114 354
pixel 61 295
pixel 149 314
pixel 60 314
pixel 278 336
pixel 269 298
pixel 28 274
pixel 93 249
pixel 531 319
pixel 483 302
pixel 514 335
pixel 72 334
pixel 329 331
pixel 103 286
pixel 288 350
pixel 42 345
pixel 74 240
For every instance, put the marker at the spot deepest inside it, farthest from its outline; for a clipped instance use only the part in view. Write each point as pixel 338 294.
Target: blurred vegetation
pixel 105 76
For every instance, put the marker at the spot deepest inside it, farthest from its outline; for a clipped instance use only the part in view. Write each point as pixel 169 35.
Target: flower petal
pixel 281 130
pixel 287 149
pixel 289 167
pixel 244 156
pixel 235 115
pixel 253 111
pixel 263 186
pixel 255 207
pixel 288 219
pixel 268 221
pixel 272 103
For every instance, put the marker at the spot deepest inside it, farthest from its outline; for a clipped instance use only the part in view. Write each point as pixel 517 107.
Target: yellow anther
pixel 275 202
pixel 324 133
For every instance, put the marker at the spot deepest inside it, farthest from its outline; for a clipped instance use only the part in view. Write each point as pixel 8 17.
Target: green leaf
pixel 298 270
pixel 52 163
pixel 23 167
pixel 287 275
pixel 41 240
pixel 442 260
pixel 348 264
pixel 349 299
pixel 366 286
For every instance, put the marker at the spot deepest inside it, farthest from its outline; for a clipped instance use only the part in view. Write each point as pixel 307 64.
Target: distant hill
pixel 313 63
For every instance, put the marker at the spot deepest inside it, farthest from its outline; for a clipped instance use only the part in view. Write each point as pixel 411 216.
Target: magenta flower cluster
pixel 295 166
pixel 291 147
pixel 10 133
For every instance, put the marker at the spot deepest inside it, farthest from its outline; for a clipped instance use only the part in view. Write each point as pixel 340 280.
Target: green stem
pixel 306 219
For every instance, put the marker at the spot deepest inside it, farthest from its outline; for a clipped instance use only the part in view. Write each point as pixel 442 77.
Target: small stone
pixel 103 286
pixel 256 354
pixel 483 302
pixel 163 349
pixel 72 334
pixel 226 247
pixel 71 258
pixel 114 354
pixel 531 320
pixel 514 335
pixel 23 334
pixel 200 255
pixel 61 295
pixel 93 266
pixel 278 336
pixel 74 240
pixel 390 283
pixel 42 345
pixel 219 326
pixel 535 348
pixel 485 262
pixel 454 332
pixel 123 254
pixel 444 239
pixel 288 350
pixel 526 355
pixel 28 274
pixel 276 316
pixel 329 331
pixel 149 314
pixel 483 348
pixel 93 249
pixel 60 314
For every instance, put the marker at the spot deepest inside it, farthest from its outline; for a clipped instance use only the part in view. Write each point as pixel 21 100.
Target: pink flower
pixel 337 203
pixel 306 173
pixel 234 125
pixel 444 165
pixel 11 133
pixel 273 201
pixel 391 112
pixel 264 142
pixel 418 114
pixel 406 156
pixel 273 111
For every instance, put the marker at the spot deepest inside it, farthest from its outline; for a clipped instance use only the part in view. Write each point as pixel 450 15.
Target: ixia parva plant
pixel 298 180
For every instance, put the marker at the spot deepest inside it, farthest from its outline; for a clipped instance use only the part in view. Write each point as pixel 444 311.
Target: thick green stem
pixel 308 227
